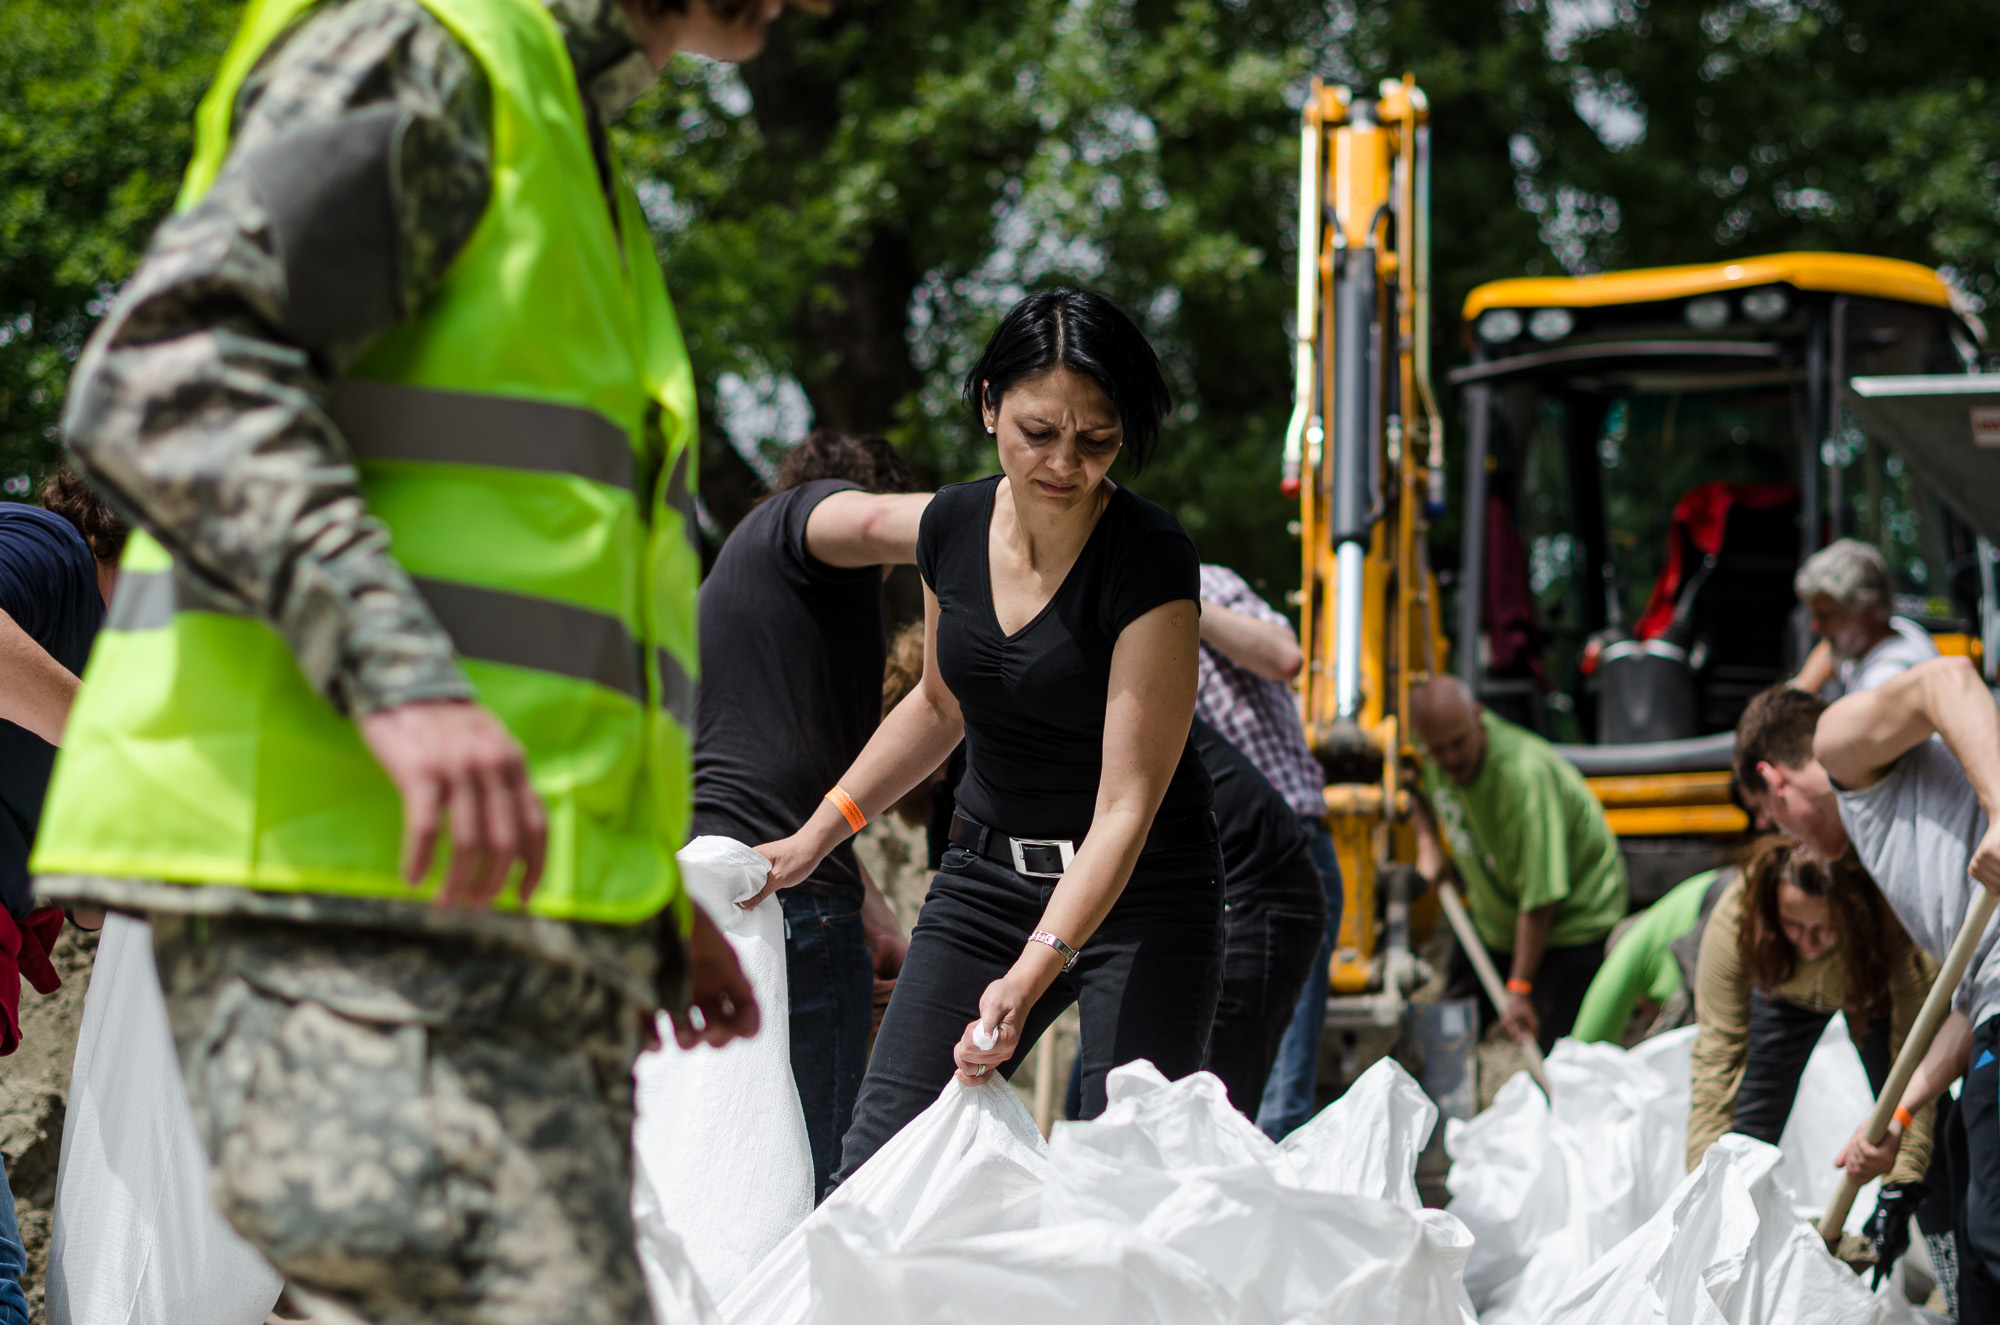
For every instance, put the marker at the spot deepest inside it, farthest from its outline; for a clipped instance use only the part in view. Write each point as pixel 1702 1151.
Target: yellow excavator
pixel 1648 456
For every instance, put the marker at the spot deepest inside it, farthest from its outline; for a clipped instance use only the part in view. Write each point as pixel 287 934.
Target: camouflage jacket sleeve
pixel 359 167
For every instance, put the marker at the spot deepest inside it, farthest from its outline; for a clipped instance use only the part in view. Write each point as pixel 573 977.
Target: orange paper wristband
pixel 1521 987
pixel 1903 1117
pixel 848 809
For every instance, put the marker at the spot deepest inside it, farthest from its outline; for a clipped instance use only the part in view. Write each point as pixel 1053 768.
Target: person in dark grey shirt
pixel 792 647
pixel 1907 776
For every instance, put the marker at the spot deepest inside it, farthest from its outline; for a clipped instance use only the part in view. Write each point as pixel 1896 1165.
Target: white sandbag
pixel 1840 1100
pixel 1168 1209
pixel 1077 1274
pixel 678 1295
pixel 1174 1159
pixel 1275 1225
pixel 1547 1193
pixel 970 1164
pixel 136 1239
pixel 720 1136
pixel 1726 1249
pixel 1367 1141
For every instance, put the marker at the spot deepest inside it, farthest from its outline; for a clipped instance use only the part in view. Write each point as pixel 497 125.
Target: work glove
pixel 1888 1229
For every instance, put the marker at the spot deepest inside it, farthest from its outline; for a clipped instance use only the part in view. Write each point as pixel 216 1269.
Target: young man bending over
pixel 1908 775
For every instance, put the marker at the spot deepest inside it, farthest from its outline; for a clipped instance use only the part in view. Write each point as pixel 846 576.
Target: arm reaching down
pixel 1531 940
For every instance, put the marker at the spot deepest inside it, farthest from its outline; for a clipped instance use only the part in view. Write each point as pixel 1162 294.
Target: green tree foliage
pixel 96 103
pixel 1757 125
pixel 856 209
pixel 845 219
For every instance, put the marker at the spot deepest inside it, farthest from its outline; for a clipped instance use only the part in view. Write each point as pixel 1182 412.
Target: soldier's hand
pixel 452 757
pixel 721 1004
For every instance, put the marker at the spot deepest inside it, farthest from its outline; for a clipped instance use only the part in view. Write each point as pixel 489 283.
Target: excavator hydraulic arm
pixel 1364 454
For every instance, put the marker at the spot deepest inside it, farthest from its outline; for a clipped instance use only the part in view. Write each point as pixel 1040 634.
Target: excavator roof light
pixel 1831 273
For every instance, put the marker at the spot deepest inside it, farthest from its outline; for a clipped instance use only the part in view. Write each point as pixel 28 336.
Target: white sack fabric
pixel 1727 1249
pixel 1169 1209
pixel 723 1160
pixel 1547 1192
pixel 136 1239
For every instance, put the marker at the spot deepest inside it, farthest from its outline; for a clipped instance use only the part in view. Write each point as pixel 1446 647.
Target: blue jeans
pixel 13 1258
pixel 1288 1092
pixel 831 980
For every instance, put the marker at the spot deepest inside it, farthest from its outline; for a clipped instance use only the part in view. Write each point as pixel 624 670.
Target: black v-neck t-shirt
pixel 1034 701
pixel 791 680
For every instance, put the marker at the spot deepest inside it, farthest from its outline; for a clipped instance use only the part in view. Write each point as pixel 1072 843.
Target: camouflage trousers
pixel 411 1129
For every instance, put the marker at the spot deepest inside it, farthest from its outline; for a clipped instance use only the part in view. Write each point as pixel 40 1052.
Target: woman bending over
pixel 1792 941
pixel 1060 631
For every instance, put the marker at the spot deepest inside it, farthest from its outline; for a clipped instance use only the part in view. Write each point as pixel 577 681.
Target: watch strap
pixel 1067 953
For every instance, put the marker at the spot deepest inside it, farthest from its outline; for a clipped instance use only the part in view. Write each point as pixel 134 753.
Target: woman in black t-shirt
pixel 1060 636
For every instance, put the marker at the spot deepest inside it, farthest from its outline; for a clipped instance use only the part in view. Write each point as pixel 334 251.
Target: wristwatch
pixel 1067 953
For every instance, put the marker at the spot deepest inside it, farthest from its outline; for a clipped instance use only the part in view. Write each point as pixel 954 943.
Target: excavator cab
pixel 1649 456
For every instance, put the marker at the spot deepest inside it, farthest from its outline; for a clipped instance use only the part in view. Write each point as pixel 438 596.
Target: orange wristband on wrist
pixel 848 809
pixel 1521 987
pixel 1903 1116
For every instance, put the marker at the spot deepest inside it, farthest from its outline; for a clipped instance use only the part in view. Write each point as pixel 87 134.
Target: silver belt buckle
pixel 1064 847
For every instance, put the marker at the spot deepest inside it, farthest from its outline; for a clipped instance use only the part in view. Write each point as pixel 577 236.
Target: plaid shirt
pixel 1257 716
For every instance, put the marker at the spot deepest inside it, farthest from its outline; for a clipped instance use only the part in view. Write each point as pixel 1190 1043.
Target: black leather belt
pixel 1048 857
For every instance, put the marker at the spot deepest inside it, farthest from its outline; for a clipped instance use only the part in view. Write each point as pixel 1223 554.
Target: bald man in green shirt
pixel 1542 875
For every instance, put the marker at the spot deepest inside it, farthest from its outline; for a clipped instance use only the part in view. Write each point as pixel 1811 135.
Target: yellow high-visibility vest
pixel 528 438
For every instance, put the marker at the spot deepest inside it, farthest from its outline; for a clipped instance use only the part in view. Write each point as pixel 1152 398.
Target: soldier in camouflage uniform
pixel 418 1114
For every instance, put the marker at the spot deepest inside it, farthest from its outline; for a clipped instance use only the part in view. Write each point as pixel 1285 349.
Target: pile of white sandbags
pixel 1168 1209
pixel 1171 1209
pixel 1727 1249
pixel 1582 1210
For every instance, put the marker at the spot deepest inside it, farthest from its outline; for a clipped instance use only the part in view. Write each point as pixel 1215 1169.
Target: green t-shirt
pixel 1642 961
pixel 1527 832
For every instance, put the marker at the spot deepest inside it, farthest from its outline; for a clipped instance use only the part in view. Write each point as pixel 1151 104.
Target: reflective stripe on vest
pixel 390 421
pixel 487 624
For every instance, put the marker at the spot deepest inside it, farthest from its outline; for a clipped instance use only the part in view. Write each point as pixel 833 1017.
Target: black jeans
pixel 1145 983
pixel 831 980
pixel 1274 926
pixel 1560 984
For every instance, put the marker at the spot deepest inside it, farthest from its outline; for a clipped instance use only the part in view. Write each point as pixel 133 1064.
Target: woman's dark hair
pixel 1868 928
pixel 65 494
pixel 1086 333
pixel 857 457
